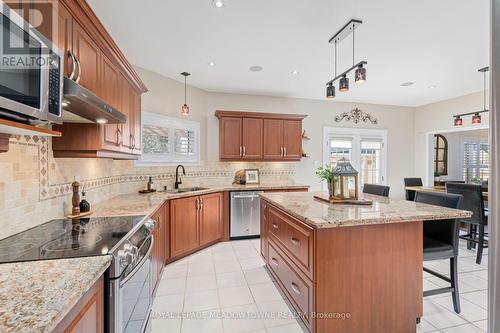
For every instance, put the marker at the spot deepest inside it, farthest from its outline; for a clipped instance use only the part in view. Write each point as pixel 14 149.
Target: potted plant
pixel 325 173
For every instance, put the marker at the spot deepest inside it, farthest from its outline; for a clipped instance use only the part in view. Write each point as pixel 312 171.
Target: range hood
pixel 85 104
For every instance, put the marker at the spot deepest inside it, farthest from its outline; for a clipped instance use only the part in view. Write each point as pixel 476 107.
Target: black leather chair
pixel 376 189
pixel 441 242
pixel 410 195
pixel 473 201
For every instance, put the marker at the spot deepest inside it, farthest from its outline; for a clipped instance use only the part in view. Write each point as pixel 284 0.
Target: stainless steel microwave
pixel 31 72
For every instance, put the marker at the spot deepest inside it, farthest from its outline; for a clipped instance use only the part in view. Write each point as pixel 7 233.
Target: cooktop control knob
pixel 124 258
pixel 150 224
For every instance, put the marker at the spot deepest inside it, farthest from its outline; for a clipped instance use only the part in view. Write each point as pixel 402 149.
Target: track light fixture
pixel 476 116
pixel 360 71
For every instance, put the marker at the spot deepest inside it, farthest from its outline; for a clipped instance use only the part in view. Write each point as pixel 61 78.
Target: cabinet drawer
pixel 298 288
pixel 294 237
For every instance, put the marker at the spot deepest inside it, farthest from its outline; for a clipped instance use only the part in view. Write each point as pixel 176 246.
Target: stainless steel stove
pixel 128 239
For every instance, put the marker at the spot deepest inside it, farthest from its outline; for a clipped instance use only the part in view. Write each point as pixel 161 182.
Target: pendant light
pixel 458 121
pixel 185 107
pixel 330 91
pixel 476 116
pixel 360 74
pixel 344 83
pixel 476 119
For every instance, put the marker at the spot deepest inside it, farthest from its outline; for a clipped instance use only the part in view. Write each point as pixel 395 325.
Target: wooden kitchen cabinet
pixel 210 218
pixel 230 138
pixel 258 136
pixel 88 54
pixel 195 222
pixel 183 225
pixel 87 316
pixel 106 72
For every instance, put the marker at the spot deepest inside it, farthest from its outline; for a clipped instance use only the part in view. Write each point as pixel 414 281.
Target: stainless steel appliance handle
pixel 245 196
pixel 77 79
pixel 143 260
pixel 73 63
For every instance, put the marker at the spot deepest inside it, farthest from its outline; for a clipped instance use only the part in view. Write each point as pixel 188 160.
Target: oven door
pixel 24 69
pixel 132 295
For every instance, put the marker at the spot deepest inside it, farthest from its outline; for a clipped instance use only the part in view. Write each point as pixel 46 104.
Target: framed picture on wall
pixel 252 176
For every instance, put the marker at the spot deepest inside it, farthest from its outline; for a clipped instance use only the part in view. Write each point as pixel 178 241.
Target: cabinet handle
pixel 118 136
pixel 241 151
pixel 244 151
pixel 275 226
pixel 73 65
pixel 284 151
pixel 295 288
pixel 132 141
pixel 295 241
pixel 201 204
pixel 274 261
pixel 197 204
pixel 281 151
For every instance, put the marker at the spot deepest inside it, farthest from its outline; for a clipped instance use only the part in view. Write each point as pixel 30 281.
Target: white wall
pixel 166 96
pixel 436 118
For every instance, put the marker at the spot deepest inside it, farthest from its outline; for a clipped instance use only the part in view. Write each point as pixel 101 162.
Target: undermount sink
pixel 189 189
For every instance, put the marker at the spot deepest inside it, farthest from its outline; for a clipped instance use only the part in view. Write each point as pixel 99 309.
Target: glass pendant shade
pixel 185 110
pixel 476 119
pixel 458 122
pixel 330 91
pixel 344 84
pixel 360 74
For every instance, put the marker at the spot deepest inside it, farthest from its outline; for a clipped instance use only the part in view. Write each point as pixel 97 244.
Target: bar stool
pixel 441 242
pixel 376 189
pixel 410 195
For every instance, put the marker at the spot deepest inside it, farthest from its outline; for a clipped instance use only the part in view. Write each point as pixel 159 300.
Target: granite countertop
pixel 35 296
pixel 146 204
pixel 318 214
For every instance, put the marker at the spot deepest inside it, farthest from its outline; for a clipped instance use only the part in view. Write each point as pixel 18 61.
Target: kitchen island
pixel 348 268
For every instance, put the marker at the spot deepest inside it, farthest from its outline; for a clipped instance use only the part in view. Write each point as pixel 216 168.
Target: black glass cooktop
pixel 67 238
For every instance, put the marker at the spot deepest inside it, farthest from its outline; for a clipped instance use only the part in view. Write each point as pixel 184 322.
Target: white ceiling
pixel 428 42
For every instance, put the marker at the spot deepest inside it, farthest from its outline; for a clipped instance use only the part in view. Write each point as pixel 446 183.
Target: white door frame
pixel 346 132
pixel 429 143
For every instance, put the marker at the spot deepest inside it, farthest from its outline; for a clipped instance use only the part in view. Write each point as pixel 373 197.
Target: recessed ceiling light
pixel 218 3
pixel 432 86
pixel 295 72
pixel 256 68
pixel 407 84
pixel 211 64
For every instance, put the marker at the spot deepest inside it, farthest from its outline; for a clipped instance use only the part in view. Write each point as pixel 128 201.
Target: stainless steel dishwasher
pixel 245 214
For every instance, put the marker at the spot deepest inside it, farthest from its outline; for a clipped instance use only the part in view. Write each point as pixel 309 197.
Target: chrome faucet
pixel 178 179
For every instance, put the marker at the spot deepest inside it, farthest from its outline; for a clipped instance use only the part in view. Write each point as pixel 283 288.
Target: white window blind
pixel 169 141
pixel 476 156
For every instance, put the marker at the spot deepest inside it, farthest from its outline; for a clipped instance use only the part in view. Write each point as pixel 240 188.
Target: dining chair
pixel 376 189
pixel 440 240
pixel 410 195
pixel 473 201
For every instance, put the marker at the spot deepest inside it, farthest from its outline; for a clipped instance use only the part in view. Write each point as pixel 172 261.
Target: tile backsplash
pixel 35 187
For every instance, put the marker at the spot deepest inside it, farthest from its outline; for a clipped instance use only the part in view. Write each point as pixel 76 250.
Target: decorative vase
pixel 330 189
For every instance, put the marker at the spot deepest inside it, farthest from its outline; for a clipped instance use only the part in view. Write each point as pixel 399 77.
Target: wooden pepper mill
pixel 75 200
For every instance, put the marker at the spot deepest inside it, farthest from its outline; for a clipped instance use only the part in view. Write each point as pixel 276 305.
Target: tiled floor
pixel 226 288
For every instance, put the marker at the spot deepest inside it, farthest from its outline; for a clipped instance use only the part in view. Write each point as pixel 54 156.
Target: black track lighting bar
pixel 345 30
pixel 470 113
pixel 361 63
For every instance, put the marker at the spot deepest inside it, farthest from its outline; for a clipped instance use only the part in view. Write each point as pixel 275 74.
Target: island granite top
pixel 318 214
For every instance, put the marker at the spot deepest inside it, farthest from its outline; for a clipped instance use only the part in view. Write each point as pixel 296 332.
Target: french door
pixel 364 148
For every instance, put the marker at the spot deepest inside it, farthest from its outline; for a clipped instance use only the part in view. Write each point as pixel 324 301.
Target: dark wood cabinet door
pixel 210 218
pixel 183 225
pixel 292 139
pixel 273 139
pixel 230 138
pixel 110 80
pixel 89 57
pixel 252 138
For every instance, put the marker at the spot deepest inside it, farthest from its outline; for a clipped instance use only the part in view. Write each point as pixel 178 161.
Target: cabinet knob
pixel 275 226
